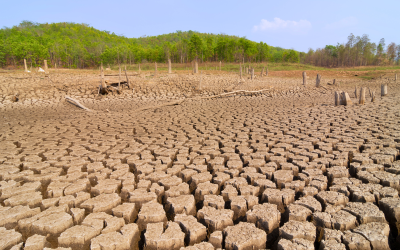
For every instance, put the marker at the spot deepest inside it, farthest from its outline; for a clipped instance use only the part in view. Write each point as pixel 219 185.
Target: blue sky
pixel 296 24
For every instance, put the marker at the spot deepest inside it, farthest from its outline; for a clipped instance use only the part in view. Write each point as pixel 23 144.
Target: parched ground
pixel 282 168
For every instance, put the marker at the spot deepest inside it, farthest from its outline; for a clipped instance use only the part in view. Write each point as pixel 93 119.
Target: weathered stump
pixel 384 90
pixel 318 80
pixel 362 96
pixel 304 78
pixel 169 66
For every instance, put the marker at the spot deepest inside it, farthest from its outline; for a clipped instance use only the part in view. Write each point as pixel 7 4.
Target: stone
pixel 101 203
pixel 78 215
pixel 229 192
pixel 195 232
pixel 295 244
pixel 244 236
pixel 158 239
pixel 332 234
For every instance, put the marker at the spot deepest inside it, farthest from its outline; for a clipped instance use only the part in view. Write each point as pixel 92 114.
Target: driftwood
pixel 76 103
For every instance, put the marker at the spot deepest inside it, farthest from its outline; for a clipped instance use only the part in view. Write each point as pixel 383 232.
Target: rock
pixel 229 192
pixel 101 203
pixel 332 234
pixel 32 200
pixel 157 238
pixel 391 209
pixel 298 230
pixel 310 203
pixel 103 222
pixel 151 212
pixel 281 198
pixel 377 234
pixel 215 220
pixel 205 188
pixel 332 198
pixel 175 191
pixel 244 236
pixel 9 238
pixel 195 232
pixel 78 215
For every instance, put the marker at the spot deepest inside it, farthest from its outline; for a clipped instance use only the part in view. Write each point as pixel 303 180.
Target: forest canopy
pixel 75 45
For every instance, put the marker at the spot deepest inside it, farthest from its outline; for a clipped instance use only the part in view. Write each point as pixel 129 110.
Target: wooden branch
pixel 76 103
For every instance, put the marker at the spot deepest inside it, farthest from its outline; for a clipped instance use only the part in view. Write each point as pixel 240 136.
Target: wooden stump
pixel 139 68
pixel 220 65
pixel 355 92
pixel 200 79
pixel 262 72
pixel 384 90
pixel 240 71
pixel 169 66
pixel 334 82
pixel 26 68
pixel 103 89
pixel 373 96
pixel 337 98
pixel 395 77
pixel 304 78
pixel 318 80
pixel 362 96
pixel 45 66
pixel 345 99
pixel 196 67
pixel 155 69
pixel 266 72
pixel 127 78
pixel 119 79
pixel 252 73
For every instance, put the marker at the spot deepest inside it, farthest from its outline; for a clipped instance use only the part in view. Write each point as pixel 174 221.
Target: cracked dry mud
pixel 282 169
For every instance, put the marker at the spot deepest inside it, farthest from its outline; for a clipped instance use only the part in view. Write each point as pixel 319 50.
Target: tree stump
pixel 318 80
pixel 196 67
pixel 155 69
pixel 345 99
pixel 384 90
pixel 26 68
pixel 220 65
pixel 266 72
pixel 169 66
pixel 139 68
pixel 304 78
pixel 355 92
pixel 127 78
pixel 395 77
pixel 337 98
pixel 262 72
pixel 45 66
pixel 103 89
pixel 252 73
pixel 373 96
pixel 362 96
pixel 240 72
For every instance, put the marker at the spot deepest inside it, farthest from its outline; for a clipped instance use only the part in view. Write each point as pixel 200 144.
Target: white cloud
pixel 345 22
pixel 283 25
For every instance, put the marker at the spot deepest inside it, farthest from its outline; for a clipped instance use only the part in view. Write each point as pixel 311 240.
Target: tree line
pixel 72 45
pixel 357 51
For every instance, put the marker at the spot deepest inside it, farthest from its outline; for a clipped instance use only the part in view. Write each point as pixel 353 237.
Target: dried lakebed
pixel 289 171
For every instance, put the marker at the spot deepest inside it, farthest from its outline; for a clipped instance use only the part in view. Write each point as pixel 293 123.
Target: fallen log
pixel 76 103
